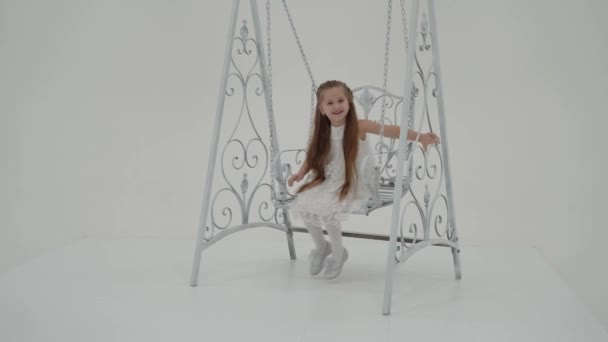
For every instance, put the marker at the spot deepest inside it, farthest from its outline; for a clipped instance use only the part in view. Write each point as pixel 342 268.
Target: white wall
pixel 106 110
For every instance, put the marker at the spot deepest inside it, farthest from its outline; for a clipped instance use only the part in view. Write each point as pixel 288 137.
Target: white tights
pixel 334 230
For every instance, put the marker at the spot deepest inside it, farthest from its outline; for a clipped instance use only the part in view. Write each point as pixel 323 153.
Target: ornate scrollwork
pixel 426 210
pixel 250 197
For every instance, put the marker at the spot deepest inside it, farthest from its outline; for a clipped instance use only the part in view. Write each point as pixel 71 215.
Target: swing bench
pixel 381 197
pixel 393 161
pixel 382 189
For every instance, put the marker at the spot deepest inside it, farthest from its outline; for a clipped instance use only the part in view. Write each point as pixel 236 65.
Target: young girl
pixel 337 181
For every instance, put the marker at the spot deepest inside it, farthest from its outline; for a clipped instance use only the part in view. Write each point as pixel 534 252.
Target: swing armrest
pixel 385 173
pixel 285 162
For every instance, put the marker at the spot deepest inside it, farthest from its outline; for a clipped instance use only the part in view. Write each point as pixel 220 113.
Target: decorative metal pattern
pixel 426 211
pixel 368 98
pixel 244 156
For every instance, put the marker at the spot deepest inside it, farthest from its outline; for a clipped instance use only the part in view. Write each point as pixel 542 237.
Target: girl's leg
pixel 334 230
pixel 323 248
pixel 333 265
pixel 316 232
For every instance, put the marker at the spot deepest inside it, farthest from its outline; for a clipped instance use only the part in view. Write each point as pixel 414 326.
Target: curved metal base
pixel 426 243
pixel 404 256
pixel 217 237
pixel 224 233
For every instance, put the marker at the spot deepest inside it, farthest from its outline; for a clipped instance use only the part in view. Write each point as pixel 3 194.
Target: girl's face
pixel 334 104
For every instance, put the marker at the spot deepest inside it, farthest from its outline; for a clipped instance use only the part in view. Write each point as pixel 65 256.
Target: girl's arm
pixel 298 176
pixel 393 131
pixel 304 169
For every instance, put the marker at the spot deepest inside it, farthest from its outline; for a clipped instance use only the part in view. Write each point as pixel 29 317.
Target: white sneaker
pixel 317 258
pixel 333 267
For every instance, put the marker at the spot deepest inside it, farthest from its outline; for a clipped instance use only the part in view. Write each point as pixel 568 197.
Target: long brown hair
pixel 318 149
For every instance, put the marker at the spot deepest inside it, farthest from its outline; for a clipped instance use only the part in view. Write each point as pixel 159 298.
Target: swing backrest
pixel 368 100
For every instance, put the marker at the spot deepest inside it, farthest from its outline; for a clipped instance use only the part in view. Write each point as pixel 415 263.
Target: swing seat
pixel 288 160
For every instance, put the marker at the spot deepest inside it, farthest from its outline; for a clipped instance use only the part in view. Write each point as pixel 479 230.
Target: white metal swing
pixel 395 160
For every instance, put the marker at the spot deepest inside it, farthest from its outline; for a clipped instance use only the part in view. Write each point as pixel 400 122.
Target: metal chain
pixel 295 34
pixel 384 84
pixel 269 88
pixel 404 21
pixel 303 55
pixel 406 41
pixel 269 49
pixel 313 97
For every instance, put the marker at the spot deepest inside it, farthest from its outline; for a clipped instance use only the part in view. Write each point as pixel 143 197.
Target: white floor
pixel 249 290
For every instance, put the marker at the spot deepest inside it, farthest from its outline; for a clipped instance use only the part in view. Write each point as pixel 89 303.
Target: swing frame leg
pixel 444 135
pixel 214 147
pixel 456 256
pixel 391 261
pixel 290 243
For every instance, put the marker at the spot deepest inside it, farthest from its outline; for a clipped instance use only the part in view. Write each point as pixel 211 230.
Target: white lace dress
pixel 321 204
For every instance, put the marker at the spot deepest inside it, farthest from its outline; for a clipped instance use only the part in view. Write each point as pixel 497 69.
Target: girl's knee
pixel 332 223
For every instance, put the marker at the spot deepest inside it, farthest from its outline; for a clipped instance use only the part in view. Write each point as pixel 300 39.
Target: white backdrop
pixel 106 113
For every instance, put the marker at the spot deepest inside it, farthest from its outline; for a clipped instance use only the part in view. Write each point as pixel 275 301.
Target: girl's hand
pixel 427 139
pixel 294 178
